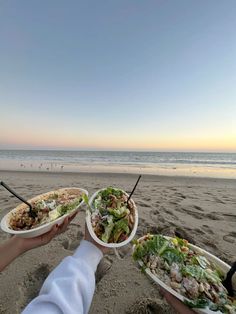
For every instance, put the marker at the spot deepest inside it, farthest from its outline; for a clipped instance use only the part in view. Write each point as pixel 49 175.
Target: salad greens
pixel 186 271
pixel 112 217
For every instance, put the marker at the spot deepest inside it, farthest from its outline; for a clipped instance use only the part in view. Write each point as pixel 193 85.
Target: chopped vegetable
pixel 188 272
pixel 112 217
pixel 47 209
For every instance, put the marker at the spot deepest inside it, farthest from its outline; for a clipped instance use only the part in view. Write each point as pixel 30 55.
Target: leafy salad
pixel 188 272
pixel 47 208
pixel 112 217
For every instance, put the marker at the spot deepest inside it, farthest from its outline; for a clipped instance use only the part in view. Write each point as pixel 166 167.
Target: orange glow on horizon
pixel 160 143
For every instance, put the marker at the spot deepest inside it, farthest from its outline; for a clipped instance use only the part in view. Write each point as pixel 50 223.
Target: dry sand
pixel 199 209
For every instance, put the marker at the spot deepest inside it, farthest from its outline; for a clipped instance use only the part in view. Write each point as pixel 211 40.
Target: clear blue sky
pixel 155 75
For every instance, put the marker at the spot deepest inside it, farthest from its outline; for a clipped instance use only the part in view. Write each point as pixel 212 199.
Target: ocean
pixel 163 163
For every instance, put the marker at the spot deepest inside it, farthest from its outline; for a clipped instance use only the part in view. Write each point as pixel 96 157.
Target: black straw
pixel 32 214
pixel 133 189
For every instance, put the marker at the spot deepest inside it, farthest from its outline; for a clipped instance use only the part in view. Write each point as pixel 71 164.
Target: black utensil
pixel 31 212
pixel 228 280
pixel 133 189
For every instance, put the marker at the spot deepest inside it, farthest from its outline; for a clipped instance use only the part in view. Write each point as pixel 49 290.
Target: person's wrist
pixel 17 245
pixel 20 245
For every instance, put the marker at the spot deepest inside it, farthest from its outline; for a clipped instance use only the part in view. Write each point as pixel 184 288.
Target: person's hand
pixel 26 244
pixel 88 237
pixel 15 246
pixel 179 306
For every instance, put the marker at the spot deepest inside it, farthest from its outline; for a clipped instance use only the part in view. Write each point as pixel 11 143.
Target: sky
pixel 118 75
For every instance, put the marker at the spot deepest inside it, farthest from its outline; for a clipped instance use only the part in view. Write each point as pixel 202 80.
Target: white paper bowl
pixel 222 266
pixel 92 233
pixel 41 229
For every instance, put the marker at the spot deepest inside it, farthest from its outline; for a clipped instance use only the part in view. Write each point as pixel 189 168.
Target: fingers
pixel 179 306
pixel 88 237
pixel 64 225
pixel 66 222
pixel 47 237
pixel 73 216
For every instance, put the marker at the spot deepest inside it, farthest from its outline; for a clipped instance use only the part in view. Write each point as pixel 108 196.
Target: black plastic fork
pixel 31 211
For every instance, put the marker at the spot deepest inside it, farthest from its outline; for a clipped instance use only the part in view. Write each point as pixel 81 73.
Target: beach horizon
pixel 215 165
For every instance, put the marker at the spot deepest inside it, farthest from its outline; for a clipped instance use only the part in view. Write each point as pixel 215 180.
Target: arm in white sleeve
pixel 70 286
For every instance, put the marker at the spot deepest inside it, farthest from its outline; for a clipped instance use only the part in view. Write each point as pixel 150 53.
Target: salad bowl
pixel 53 207
pixel 113 215
pixel 198 304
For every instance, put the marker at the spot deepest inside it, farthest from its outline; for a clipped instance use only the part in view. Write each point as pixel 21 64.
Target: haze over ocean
pixel 171 163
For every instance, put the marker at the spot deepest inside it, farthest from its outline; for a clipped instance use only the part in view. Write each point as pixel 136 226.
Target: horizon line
pixel 119 150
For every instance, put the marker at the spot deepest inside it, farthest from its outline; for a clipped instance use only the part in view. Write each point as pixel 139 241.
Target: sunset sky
pixel 118 75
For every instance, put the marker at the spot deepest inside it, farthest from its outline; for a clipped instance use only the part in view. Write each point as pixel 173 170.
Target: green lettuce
pixel 201 274
pixel 120 227
pixel 108 230
pixel 119 212
pixel 198 303
pixel 172 255
pixel 154 246
pixel 65 208
pixel 105 194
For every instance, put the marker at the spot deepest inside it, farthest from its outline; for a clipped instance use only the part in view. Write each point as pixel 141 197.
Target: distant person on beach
pixel 15 246
pixel 70 286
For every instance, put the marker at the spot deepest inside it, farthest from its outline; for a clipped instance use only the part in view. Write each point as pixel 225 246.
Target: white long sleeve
pixel 70 287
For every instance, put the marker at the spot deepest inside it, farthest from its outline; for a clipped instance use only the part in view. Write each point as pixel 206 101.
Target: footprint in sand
pixel 70 244
pixel 185 234
pixel 173 202
pixel 180 195
pixel 124 251
pixel 154 229
pixel 103 268
pixel 213 216
pixel 31 285
pixel 147 199
pixel 210 246
pixel 73 238
pixel 230 237
pixel 198 208
pixel 229 217
pixel 156 217
pixel 207 229
pixel 170 213
pixel 219 200
pixel 142 204
pixel 149 306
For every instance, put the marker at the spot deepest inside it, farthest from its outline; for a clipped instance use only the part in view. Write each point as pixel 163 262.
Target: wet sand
pixel 201 210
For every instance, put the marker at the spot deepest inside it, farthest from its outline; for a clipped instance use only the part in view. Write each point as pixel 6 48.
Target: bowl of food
pixel 188 272
pixel 111 220
pixel 49 209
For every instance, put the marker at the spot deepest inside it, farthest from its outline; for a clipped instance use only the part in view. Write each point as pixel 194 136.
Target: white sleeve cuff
pixel 89 253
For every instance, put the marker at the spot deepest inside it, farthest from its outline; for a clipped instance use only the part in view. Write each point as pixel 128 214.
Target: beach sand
pixel 202 210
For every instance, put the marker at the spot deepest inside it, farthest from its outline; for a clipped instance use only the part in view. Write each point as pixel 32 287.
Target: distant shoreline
pixel 122 174
pixel 153 163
